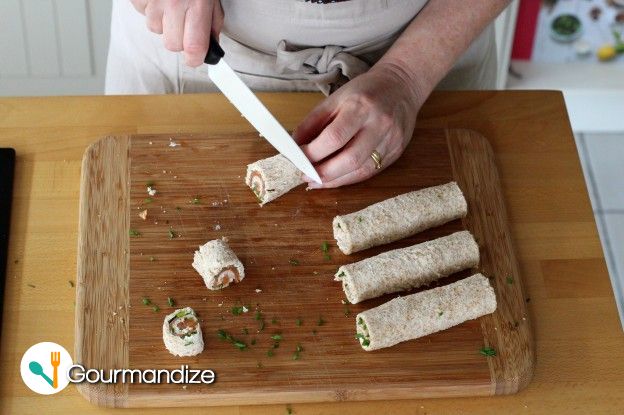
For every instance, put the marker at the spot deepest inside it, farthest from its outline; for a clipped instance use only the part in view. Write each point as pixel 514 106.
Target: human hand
pixel 375 111
pixel 186 25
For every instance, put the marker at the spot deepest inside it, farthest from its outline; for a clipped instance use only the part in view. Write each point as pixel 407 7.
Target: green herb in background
pixel 134 233
pixel 146 301
pixel 172 234
pixel 258 315
pixel 156 309
pixel 293 262
pixel 440 313
pixel 195 200
pixel 320 321
pixel 238 310
pixel 510 280
pixel 273 320
pixel 299 322
pixel 170 301
pixel 487 351
pixel 270 353
pixel 277 337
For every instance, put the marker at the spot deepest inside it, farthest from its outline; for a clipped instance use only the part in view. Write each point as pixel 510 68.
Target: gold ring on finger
pixel 377 159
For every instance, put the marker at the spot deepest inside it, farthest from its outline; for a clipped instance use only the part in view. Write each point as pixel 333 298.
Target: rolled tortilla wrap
pixel 182 334
pixel 218 264
pixel 272 177
pixel 410 267
pixel 399 217
pixel 426 312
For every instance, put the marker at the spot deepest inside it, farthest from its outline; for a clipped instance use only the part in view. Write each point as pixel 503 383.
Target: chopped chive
pixel 325 246
pixel 299 348
pixel 289 410
pixel 360 219
pixel 440 313
pixel 170 301
pixel 156 309
pixel 299 322
pixel 320 321
pixel 172 234
pixel 342 274
pixel 487 351
pixel 347 311
pixel 338 226
pixel 222 334
pixel 238 310
pixel 257 315
pixel 295 356
pixel 195 200
pixel 259 365
pixel 510 280
pixel 270 353
pixel 148 200
pixel 134 233
pixel 261 326
pixel 277 337
pixel 31 285
pixel 188 343
pixel 178 208
pixel 276 345
pixel 152 259
pixel 146 301
pixel 274 320
pixel 327 257
pixel 253 342
pixel 71 283
pixel 293 262
pixel 245 330
pixel 240 345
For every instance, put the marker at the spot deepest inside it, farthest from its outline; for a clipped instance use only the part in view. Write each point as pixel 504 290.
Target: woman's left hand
pixel 375 111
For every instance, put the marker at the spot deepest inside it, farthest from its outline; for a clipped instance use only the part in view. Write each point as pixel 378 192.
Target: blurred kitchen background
pixel 59 47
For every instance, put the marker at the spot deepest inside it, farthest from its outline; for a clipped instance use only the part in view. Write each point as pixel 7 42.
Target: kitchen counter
pixel 579 341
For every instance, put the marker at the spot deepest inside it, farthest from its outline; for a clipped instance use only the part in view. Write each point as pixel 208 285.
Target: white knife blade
pixel 259 116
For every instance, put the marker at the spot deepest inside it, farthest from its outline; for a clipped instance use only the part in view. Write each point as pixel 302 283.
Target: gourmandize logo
pixel 44 368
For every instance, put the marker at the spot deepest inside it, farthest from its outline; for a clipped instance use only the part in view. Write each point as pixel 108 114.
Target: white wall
pixel 53 47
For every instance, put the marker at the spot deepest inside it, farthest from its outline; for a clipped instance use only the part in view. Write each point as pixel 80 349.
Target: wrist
pixel 417 88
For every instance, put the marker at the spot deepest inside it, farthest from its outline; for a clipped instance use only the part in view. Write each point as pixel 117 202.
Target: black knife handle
pixel 215 53
pixel 7 168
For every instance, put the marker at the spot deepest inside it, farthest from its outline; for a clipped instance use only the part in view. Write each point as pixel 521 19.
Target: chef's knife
pixel 254 111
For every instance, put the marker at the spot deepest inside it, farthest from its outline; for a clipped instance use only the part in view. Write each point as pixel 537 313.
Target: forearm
pixel 435 39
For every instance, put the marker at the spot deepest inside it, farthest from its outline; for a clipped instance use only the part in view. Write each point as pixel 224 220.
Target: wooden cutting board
pixel 114 329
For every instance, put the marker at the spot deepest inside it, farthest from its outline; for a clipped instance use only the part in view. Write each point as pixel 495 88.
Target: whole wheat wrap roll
pixel 426 312
pixel 410 267
pixel 399 217
pixel 272 177
pixel 218 264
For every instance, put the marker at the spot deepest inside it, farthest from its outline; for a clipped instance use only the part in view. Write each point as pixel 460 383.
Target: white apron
pixel 283 45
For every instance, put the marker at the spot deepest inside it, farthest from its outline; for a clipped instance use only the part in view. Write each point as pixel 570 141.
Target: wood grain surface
pixel 201 196
pixel 578 336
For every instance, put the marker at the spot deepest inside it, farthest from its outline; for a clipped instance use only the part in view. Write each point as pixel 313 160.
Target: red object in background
pixel 525 29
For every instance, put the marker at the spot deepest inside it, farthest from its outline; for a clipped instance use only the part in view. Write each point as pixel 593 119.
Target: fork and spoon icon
pixel 55 361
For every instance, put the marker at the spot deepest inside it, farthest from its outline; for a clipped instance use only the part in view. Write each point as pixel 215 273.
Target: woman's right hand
pixel 186 25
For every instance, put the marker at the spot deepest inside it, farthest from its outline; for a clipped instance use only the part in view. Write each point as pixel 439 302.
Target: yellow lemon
pixel 606 52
